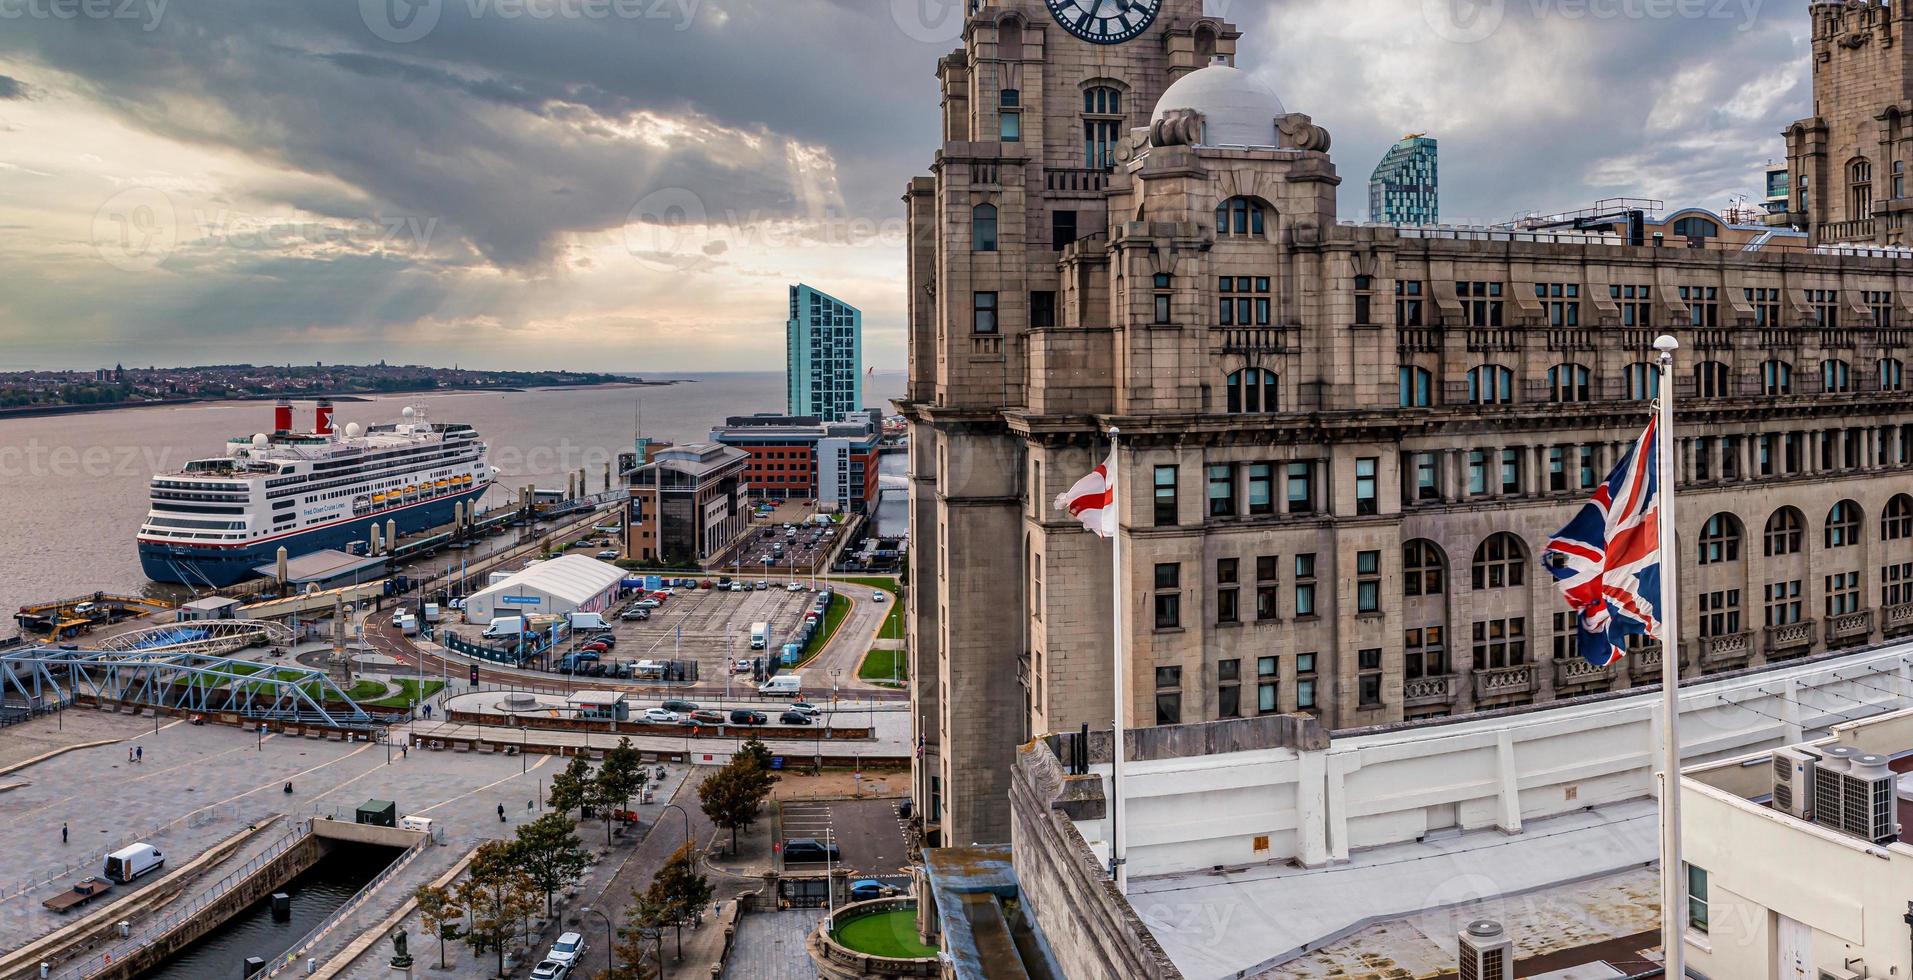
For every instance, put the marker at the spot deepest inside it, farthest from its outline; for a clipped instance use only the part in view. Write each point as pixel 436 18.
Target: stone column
pixel 1686 469
pixel 1810 453
pixel 1717 461
pixel 1747 454
pixel 1451 475
pixel 1281 488
pixel 1541 472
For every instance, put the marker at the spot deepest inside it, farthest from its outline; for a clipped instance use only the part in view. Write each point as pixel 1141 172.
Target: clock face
pixel 1105 21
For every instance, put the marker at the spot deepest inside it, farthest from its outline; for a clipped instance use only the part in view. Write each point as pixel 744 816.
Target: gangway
pixel 210 636
pixel 184 682
pixel 65 616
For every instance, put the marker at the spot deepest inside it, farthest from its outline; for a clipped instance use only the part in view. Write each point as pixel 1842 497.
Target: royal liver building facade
pixel 1343 445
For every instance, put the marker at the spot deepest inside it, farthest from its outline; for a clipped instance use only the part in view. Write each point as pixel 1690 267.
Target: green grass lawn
pixel 833 618
pixel 892 627
pixel 879 665
pixel 409 692
pixel 366 690
pixel 892 934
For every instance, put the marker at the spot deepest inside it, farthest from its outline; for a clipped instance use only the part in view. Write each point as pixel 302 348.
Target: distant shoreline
pixel 43 411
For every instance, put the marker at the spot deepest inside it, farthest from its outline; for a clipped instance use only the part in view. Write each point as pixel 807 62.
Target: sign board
pixel 521 600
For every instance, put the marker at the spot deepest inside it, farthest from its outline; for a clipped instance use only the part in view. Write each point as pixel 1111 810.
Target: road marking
pixel 541 761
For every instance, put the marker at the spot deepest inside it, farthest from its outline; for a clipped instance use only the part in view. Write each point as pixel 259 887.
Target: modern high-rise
pixel 1406 186
pixel 824 337
pixel 1343 445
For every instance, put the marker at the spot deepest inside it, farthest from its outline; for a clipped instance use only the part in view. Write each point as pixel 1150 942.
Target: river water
pixel 73 488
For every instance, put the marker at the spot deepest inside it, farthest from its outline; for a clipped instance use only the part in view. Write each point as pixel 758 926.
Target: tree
pixel 642 935
pixel 619 778
pixel 682 890
pixel 759 754
pixel 549 854
pixel 568 787
pixel 441 914
pixel 498 895
pixel 732 795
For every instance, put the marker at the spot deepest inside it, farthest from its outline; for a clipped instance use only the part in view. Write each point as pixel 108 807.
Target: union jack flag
pixel 1607 561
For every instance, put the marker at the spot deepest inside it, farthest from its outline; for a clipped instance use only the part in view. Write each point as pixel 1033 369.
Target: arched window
pixel 1776 378
pixel 1642 381
pixel 1720 539
pixel 1892 374
pixel 1490 384
pixel 1241 216
pixel 1568 383
pixel 1897 523
pixel 983 228
pixel 1417 387
pixel 1836 376
pixel 1843 524
pixel 1784 531
pixel 1860 189
pixel 1252 391
pixel 1710 380
pixel 1102 121
pixel 1424 569
pixel 1696 228
pixel 1500 562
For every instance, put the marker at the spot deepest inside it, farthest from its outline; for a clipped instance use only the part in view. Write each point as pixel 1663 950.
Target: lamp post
pixel 524 765
pixel 687 819
pixel 610 937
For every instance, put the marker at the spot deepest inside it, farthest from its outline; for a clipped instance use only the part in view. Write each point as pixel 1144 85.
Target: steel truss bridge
pixel 213 637
pixel 186 682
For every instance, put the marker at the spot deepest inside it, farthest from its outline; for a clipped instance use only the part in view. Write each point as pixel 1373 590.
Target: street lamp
pixel 687 818
pixel 524 765
pixel 610 937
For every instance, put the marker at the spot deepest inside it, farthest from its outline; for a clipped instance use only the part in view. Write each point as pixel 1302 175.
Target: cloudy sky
pixel 631 184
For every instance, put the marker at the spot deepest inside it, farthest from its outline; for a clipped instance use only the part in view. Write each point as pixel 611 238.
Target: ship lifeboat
pixel 411 492
pixel 361 505
pixel 441 486
pixel 379 499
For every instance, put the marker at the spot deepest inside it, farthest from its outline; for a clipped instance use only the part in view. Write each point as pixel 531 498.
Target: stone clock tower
pixel 1039 107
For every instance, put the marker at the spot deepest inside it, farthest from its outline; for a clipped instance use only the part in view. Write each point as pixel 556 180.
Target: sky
pixel 632 185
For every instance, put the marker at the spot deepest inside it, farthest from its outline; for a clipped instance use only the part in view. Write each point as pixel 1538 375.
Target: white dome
pixel 1237 109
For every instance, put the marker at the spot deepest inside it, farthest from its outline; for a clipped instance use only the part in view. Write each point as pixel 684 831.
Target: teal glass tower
pixel 1406 186
pixel 825 341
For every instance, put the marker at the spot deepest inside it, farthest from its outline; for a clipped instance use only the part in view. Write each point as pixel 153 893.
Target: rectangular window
pixel 1408 299
pixel 1427 478
pixel 983 313
pixel 1305 681
pixel 1228 610
pixel 1636 308
pixel 1301 477
pixel 1228 688
pixel 1825 305
pixel 1261 480
pixel 1222 490
pixel 1843 593
pixel 1011 130
pixel 1481 302
pixel 1267 588
pixel 1168 695
pixel 1365 487
pixel 1424 653
pixel 1557 468
pixel 1267 680
pixel 1703 305
pixel 1304 585
pixel 1042 309
pixel 1766 304
pixel 1896 584
pixel 1500 643
pixel 1720 613
pixel 1368 582
pixel 1561 302
pixel 1168 596
pixel 1477 472
pixel 1165 496
pixel 1062 229
pixel 1511 471
pixel 1369 677
pixel 1697 917
pixel 1783 603
pixel 1880 308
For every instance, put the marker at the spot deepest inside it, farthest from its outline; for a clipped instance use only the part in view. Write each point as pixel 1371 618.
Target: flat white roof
pixel 597 697
pixel 572 578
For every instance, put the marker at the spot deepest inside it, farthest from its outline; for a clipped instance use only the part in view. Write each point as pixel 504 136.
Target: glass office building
pixel 1406 187
pixel 824 337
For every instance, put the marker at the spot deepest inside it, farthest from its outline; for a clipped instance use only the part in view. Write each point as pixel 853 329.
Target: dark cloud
pixel 12 88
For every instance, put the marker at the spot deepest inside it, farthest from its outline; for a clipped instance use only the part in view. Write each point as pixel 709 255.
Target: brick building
pixel 806 458
pixel 1343 444
pixel 1848 161
pixel 688 504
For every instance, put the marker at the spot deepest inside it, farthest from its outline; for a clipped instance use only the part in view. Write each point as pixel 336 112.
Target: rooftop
pixel 575 578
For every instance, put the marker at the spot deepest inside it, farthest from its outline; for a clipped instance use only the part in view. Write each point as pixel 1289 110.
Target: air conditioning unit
pixel 1487 953
pixel 1871 807
pixel 1794 770
pixel 1827 973
pixel 1829 787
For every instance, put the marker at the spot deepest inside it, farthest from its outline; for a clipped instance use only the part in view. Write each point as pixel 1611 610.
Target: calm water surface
pixel 73 488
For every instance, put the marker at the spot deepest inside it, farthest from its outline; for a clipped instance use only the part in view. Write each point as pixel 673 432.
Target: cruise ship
pixel 218 520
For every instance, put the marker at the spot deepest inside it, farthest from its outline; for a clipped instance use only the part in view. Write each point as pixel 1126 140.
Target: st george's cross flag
pixel 1093 499
pixel 1607 561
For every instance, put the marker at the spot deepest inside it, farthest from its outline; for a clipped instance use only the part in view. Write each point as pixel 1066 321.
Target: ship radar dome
pixel 260 440
pixel 409 413
pixel 1237 110
pixel 352 430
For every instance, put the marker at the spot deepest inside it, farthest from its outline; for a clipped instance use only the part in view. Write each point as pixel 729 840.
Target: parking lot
pixel 712 627
pixel 867 833
pixel 758 551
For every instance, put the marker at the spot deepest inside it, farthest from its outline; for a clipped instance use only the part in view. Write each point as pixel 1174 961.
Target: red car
pixel 595 647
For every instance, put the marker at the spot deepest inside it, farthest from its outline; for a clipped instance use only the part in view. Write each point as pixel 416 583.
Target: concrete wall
pixel 1316 805
pixel 1091 928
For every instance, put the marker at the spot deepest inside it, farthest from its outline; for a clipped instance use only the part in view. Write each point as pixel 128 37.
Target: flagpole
pixel 1119 825
pixel 1673 906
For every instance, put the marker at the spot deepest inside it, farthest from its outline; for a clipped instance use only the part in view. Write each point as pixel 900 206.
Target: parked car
pixel 646 603
pixel 660 716
pixel 596 646
pixel 794 587
pixel 741 667
pixel 763 584
pixel 608 555
pixel 569 948
pixel 635 614
pixel 879 596
pixel 745 717
pixel 793 718
pixel 866 889
pixel 809 850
pixel 707 716
pixel 678 705
pixel 803 707
pixel 551 970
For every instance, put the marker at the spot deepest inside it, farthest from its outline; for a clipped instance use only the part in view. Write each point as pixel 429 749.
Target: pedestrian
pixel 139 753
pixel 63 832
pixel 404 748
pixel 129 753
pixel 501 813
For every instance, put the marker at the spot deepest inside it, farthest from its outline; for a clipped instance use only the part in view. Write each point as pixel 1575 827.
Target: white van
pixel 505 626
pixel 760 635
pixel 128 863
pixel 782 685
pixel 588 621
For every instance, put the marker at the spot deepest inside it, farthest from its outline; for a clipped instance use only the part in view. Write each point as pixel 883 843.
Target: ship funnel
pixel 282 416
pixel 323 418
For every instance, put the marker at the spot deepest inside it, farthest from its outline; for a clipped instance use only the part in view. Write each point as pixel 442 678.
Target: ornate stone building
pixel 1848 161
pixel 1343 444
